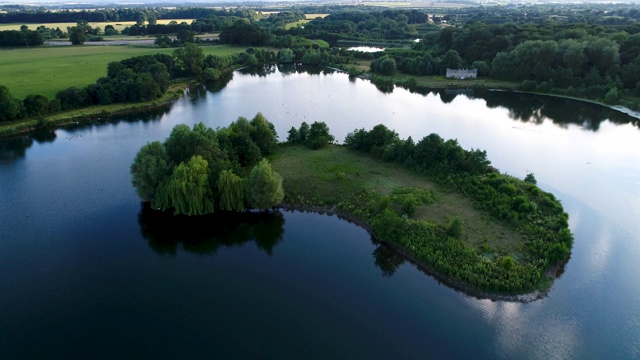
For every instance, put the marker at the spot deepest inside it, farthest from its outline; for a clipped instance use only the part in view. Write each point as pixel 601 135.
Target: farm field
pixel 49 69
pixel 309 17
pixel 118 25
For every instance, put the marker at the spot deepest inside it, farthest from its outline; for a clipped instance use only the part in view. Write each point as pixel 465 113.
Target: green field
pixel 328 176
pixel 302 22
pixel 49 69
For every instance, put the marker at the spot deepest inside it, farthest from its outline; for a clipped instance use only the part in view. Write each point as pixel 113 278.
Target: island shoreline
pixel 451 282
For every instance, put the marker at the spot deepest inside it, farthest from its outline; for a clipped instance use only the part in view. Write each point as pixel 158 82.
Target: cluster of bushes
pixel 314 137
pixel 538 215
pixel 432 153
pixel 196 171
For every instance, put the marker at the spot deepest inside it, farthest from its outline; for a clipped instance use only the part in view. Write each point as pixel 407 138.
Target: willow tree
pixel 265 186
pixel 231 188
pixel 187 190
pixel 150 167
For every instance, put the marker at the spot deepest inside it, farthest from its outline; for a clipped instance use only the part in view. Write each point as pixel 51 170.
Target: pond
pixel 367 49
pixel 87 271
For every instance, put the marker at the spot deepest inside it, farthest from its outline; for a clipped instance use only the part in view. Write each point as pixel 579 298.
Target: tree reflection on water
pixel 167 233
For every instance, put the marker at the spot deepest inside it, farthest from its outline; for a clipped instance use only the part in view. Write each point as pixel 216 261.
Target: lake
pixel 87 271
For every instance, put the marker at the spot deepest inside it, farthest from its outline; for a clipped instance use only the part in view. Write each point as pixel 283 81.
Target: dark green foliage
pixel 531 179
pixel 315 136
pixel 385 65
pixel 149 168
pixel 455 228
pixel 294 136
pixel 286 56
pixel 521 204
pixel 190 59
pixel 374 141
pixel 35 105
pixel 77 35
pixel 22 38
pixel 263 133
pixel 187 190
pixel 264 186
pixel 303 133
pixel 243 32
pixel 232 189
pixel 244 148
pixel 319 135
pixel 73 98
pixel 410 198
pixel 195 169
pixel 611 97
pixel 10 106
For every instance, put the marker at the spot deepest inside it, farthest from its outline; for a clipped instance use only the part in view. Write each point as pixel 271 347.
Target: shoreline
pixel 78 116
pixel 455 284
pixel 177 91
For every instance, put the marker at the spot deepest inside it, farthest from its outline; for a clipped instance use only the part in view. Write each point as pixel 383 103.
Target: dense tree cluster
pixel 567 54
pixel 137 79
pixel 196 171
pixel 367 25
pixel 314 137
pixel 521 203
pixel 20 38
pixel 244 32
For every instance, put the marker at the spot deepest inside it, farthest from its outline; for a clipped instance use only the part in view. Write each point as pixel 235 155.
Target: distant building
pixel 462 73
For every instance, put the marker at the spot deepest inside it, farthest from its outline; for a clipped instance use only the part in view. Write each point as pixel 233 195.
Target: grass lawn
pixel 296 24
pixel 313 16
pixel 48 69
pixel 329 175
pixel 309 17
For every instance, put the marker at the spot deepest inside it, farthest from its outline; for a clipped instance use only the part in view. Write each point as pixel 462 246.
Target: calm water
pixel 87 271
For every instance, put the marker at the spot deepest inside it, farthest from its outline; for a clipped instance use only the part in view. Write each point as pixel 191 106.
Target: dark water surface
pixel 87 272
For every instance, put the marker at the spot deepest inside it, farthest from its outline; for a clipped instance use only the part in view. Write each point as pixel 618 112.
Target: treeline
pixel 213 22
pixel 538 215
pixel 200 170
pixel 138 79
pixel 368 25
pixel 576 13
pixel 140 14
pixel 584 60
pixel 20 38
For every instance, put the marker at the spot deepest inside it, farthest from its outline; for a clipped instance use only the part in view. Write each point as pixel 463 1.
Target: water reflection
pixel 16 147
pixel 387 260
pixel 166 233
pixel 286 69
pixel 217 86
pixel 561 111
pixel 522 107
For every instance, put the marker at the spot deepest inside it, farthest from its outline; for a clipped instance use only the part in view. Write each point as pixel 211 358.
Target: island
pixel 444 208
